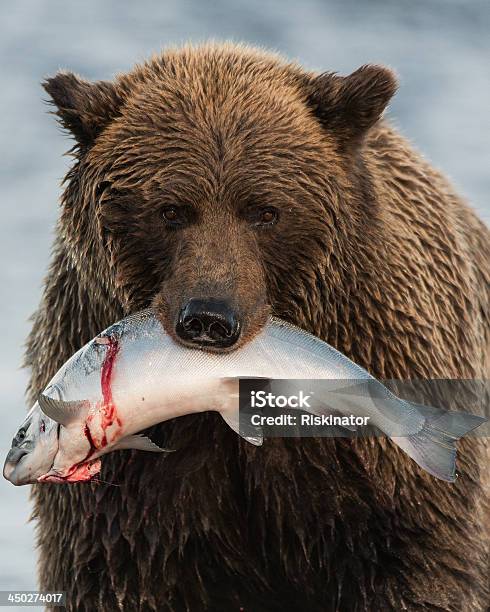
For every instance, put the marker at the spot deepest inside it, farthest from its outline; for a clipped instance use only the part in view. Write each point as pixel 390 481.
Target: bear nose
pixel 208 322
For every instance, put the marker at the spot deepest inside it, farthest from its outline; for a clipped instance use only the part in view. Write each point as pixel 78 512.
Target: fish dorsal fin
pixel 63 412
pixel 139 442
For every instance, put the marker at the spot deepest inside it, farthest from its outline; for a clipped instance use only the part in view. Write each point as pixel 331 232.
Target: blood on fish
pixel 85 470
pixel 78 473
pixel 88 435
pixel 109 413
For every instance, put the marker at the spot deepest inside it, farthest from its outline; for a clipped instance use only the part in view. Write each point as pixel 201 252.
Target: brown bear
pixel 225 182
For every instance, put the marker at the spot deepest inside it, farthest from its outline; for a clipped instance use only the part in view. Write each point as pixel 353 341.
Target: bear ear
pixel 83 108
pixel 350 105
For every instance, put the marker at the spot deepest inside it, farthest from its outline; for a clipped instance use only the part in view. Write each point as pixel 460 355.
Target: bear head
pixel 220 184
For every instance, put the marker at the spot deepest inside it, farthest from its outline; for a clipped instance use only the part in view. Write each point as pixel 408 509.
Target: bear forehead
pixel 213 97
pixel 209 121
pixel 214 79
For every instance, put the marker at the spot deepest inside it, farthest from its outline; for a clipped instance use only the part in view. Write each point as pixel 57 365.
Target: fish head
pixel 33 449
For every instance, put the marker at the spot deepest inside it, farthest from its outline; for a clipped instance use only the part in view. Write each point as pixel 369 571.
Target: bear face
pixel 205 187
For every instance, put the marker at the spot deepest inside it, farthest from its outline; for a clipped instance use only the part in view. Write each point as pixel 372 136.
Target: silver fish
pixel 133 375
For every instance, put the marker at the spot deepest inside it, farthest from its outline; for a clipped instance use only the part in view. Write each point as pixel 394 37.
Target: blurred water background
pixel 440 48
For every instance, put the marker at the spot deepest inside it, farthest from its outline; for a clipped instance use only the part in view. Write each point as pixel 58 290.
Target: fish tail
pixel 434 446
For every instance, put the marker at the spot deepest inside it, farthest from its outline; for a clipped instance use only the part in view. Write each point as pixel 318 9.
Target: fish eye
pixel 20 437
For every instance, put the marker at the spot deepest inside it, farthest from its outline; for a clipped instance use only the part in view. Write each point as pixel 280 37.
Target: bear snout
pixel 208 322
pixel 212 320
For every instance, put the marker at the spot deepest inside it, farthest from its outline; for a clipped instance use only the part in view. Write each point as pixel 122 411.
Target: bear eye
pixel 266 216
pixel 173 216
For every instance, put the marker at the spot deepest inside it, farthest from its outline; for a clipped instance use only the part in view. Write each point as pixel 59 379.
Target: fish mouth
pixel 11 470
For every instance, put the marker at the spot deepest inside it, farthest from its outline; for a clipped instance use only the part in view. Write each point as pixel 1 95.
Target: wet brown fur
pixel 373 252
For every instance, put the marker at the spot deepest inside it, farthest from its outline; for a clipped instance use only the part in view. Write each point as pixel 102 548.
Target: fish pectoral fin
pixel 139 442
pixel 250 433
pixel 63 412
pixel 230 408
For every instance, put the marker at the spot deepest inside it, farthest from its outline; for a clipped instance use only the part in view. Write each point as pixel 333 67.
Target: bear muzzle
pixel 208 322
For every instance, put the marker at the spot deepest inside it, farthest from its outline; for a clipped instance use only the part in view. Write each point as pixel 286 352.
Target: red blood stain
pixel 109 414
pixel 88 435
pixel 85 470
pixel 78 473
